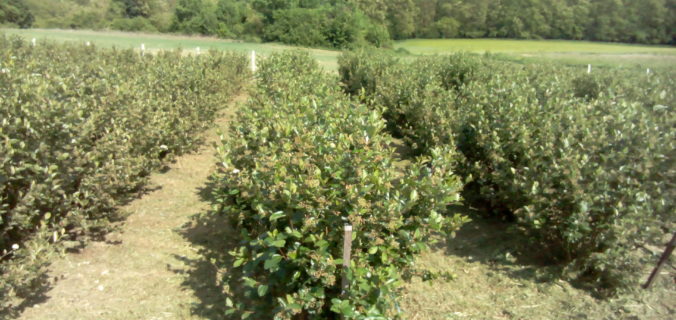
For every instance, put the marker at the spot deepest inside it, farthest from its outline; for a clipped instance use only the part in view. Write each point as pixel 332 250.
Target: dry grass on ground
pixel 142 271
pixel 492 283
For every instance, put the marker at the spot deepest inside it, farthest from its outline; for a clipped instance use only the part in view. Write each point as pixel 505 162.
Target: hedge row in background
pixel 584 162
pixel 353 23
pixel 80 130
pixel 302 161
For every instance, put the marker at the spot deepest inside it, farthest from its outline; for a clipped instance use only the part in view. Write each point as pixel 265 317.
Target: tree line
pixel 341 23
pixel 349 23
pixel 15 12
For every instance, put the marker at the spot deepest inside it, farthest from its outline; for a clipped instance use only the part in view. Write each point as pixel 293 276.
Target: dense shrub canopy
pixel 302 161
pixel 583 162
pixel 81 129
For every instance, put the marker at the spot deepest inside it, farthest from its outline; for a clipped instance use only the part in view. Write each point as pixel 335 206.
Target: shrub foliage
pixel 81 128
pixel 584 163
pixel 302 161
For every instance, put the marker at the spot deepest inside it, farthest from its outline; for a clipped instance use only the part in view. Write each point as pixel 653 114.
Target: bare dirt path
pixel 143 270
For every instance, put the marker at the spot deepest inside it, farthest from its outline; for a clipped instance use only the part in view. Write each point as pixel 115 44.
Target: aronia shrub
pixel 582 162
pixel 302 161
pixel 80 130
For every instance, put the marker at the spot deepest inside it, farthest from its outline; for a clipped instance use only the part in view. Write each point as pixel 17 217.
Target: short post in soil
pixel 143 49
pixel 347 248
pixel 33 42
pixel 589 68
pixel 665 256
pixel 253 61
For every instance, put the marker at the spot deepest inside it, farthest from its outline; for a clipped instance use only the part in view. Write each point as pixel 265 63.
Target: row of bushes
pixel 81 128
pixel 583 162
pixel 302 161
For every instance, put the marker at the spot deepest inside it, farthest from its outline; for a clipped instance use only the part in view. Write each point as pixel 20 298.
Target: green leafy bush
pixel 133 24
pixel 590 86
pixel 16 12
pixel 581 162
pixel 302 161
pixel 358 73
pixel 81 129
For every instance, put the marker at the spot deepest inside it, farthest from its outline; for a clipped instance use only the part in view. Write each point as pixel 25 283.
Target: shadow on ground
pixel 500 245
pixel 214 237
pixel 37 293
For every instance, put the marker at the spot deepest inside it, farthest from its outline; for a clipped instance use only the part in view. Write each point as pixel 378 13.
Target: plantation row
pixel 304 160
pixel 81 129
pixel 583 163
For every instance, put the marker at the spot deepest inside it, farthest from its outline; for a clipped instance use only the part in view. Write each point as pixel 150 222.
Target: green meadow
pixel 564 51
pixel 152 42
pixel 567 52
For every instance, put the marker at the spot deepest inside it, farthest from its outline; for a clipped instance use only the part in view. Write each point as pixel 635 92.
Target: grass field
pixel 432 46
pixel 326 58
pixel 568 52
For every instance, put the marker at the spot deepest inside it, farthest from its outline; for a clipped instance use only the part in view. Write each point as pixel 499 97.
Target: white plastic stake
pixel 143 49
pixel 647 71
pixel 253 61
pixel 589 68
pixel 347 248
pixel 33 42
pixel 87 44
pixel 198 51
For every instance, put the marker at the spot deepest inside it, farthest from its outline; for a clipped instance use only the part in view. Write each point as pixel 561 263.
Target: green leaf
pixel 262 290
pixel 249 282
pixel 294 306
pixel 414 195
pixel 276 215
pixel 273 262
pixel 342 307
pixel 278 243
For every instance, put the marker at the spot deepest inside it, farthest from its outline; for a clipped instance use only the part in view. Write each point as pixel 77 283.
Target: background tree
pixel 401 15
pixel 298 26
pixel 195 16
pixel 377 22
pixel 15 12
pixel 135 8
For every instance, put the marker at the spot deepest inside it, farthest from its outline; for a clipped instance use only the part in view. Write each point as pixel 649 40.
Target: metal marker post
pixel 253 61
pixel 347 248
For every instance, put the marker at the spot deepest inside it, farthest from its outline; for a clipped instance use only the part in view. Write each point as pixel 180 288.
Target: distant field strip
pixel 434 46
pixel 326 58
pixel 567 52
